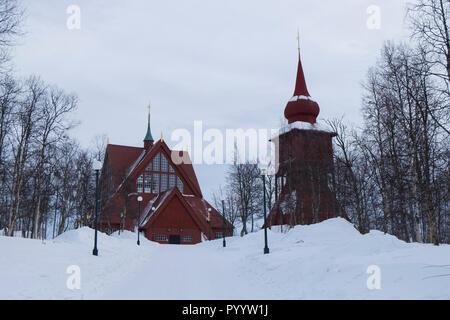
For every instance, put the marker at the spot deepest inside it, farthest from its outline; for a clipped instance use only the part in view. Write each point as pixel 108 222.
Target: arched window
pixel 164 163
pixel 155 188
pixel 156 163
pixel 139 183
pixel 159 176
pixel 148 182
pixel 163 182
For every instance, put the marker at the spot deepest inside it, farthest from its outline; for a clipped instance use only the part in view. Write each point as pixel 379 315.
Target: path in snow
pixel 185 272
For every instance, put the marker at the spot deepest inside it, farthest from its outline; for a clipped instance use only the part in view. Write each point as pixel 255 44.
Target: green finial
pixel 148 136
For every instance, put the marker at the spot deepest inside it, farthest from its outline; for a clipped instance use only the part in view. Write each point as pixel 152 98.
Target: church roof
pixel 126 161
pixel 120 158
pixel 201 207
pixel 197 207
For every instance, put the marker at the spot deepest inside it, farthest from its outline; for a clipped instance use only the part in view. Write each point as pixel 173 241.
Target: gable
pixel 175 215
pixel 184 171
pixel 158 175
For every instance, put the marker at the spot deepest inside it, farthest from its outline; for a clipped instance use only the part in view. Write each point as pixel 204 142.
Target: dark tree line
pixel 393 173
pixel 46 178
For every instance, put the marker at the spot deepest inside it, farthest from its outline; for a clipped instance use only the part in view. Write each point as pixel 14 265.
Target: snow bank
pixel 80 236
pixel 33 269
pixel 328 260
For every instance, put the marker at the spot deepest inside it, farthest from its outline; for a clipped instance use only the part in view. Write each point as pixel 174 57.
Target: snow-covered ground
pixel 323 261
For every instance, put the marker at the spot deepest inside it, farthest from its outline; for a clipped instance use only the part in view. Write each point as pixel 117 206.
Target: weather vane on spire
pixel 298 39
pixel 149 107
pixel 148 136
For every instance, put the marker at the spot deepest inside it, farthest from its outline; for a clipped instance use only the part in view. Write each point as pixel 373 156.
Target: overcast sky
pixel 231 64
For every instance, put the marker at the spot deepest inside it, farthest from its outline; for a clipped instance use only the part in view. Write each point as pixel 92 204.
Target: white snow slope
pixel 323 261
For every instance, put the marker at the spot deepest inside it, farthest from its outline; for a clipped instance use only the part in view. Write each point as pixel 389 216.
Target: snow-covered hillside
pixel 323 261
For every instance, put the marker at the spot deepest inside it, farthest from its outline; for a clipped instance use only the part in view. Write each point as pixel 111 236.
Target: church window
pixel 149 167
pixel 171 169
pixel 180 184
pixel 218 235
pixel 155 183
pixel 171 181
pixel 156 162
pixel 187 238
pixel 161 237
pixel 163 182
pixel 148 183
pixel 164 163
pixel 139 183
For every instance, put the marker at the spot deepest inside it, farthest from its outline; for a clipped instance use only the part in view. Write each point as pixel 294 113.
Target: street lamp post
pixel 266 248
pixel 224 225
pixel 209 223
pixel 97 166
pixel 139 199
pixel 153 211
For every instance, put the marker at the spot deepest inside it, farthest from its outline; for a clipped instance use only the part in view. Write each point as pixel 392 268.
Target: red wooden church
pixel 305 175
pixel 173 209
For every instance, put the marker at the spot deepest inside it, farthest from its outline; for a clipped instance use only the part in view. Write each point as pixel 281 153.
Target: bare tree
pixel 231 205
pixel 430 22
pixel 52 126
pixel 11 16
pixel 25 129
pixel 245 181
pixel 390 175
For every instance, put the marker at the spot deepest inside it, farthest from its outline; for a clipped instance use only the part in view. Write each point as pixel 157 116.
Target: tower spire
pixel 148 140
pixel 301 107
pixel 300 86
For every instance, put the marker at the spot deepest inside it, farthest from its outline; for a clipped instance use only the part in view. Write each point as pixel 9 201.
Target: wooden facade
pixel 173 209
pixel 305 176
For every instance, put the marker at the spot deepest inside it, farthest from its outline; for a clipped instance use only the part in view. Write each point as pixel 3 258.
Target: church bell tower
pixel 305 176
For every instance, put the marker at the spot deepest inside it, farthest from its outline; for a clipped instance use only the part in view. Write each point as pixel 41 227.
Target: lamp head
pixel 139 199
pixel 97 165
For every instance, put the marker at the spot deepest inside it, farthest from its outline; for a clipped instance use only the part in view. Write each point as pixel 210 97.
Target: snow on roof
pixel 135 164
pixel 300 125
pixel 131 168
pixel 160 199
pixel 296 98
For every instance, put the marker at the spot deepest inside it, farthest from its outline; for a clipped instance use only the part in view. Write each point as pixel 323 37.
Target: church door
pixel 174 239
